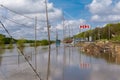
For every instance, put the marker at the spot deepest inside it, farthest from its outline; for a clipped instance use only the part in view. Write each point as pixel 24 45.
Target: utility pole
pixel 80 30
pixel 56 34
pixel 48 29
pixel 69 31
pixel 63 26
pixel 48 25
pixel 35 43
pixel 99 34
pixel 109 32
pixel 19 49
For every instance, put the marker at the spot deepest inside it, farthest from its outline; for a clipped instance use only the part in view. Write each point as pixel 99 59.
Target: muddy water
pixel 66 63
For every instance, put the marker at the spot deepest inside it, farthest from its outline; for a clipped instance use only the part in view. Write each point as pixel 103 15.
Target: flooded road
pixel 66 63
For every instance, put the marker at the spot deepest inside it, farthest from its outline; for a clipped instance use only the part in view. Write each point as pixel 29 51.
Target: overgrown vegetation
pixel 20 42
pixel 109 32
pixel 2 45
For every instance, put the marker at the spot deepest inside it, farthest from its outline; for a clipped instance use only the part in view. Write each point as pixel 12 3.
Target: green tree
pixel 44 42
pixel 2 45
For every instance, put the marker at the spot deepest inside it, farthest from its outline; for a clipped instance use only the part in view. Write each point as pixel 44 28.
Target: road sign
pixel 84 26
pixel 57 42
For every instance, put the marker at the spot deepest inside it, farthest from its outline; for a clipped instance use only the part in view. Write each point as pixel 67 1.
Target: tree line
pixel 20 42
pixel 109 32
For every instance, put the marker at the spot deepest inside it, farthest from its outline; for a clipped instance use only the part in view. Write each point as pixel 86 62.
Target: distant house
pixel 76 40
pixel 80 39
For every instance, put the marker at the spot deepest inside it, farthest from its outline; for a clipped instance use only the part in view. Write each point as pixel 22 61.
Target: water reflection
pixel 64 63
pixel 48 68
pixel 2 51
pixel 110 58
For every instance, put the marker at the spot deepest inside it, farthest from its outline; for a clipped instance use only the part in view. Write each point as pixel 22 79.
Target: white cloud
pixel 117 8
pixel 100 6
pixel 105 10
pixel 73 23
pixel 104 18
pixel 30 8
pixel 95 17
pixel 26 6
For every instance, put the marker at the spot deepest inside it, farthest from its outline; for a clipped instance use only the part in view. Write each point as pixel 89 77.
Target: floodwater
pixel 65 63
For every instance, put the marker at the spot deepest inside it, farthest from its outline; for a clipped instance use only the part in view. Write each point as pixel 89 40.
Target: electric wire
pixel 19 13
pixel 11 20
pixel 15 12
pixel 20 50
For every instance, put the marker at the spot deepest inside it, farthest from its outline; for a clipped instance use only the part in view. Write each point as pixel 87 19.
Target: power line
pixel 22 53
pixel 14 21
pixel 19 13
pixel 15 12
pixel 5 29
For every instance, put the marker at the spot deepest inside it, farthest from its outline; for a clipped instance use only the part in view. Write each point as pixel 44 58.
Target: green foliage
pixel 110 31
pixel 44 42
pixel 41 43
pixel 2 45
pixel 33 44
pixel 7 40
pixel 10 46
pixel 29 41
pixel 21 42
pixel 80 35
pixel 116 38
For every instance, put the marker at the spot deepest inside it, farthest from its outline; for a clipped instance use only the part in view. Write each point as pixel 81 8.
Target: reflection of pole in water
pixel 91 61
pixel 63 26
pixel 21 51
pixel 80 56
pixel 56 51
pixel 64 60
pixel 48 68
pixel 18 58
pixel 56 57
pixel 69 55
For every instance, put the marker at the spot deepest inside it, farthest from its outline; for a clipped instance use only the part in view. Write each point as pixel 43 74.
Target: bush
pixel 44 42
pixel 20 43
pixel 116 38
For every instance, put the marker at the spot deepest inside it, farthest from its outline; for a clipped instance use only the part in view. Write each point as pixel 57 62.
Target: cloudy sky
pixel 18 16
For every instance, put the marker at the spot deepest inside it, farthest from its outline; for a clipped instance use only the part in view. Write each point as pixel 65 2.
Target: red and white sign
pixel 84 26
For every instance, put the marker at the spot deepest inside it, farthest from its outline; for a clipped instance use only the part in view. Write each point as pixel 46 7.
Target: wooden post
pixel 35 43
pixel 48 29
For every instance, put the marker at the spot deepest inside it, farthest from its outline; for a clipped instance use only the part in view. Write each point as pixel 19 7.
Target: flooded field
pixel 65 63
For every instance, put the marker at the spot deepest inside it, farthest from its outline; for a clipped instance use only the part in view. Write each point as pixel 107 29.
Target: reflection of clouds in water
pixel 68 60
pixel 1 76
pixel 105 72
pixel 71 66
pixel 55 70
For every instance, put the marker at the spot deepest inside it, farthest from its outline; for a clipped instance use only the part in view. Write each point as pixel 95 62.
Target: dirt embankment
pixel 100 47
